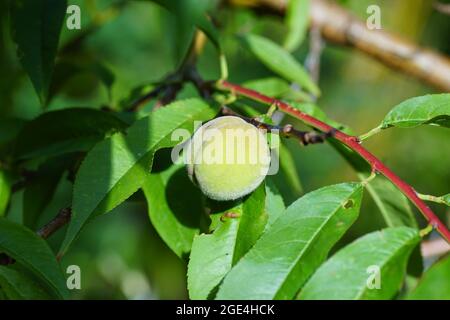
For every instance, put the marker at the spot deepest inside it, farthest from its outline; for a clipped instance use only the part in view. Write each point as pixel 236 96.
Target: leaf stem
pixel 427 197
pixel 370 133
pixel 351 142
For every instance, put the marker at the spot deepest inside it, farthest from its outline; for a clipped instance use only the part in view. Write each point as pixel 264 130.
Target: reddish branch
pixel 340 27
pixel 353 143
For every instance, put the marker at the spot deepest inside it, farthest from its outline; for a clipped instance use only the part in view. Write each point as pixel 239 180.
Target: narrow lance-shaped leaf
pixel 297 18
pixel 36 26
pixel 274 202
pixel 117 167
pixel 33 253
pixel 428 109
pixel 76 129
pixel 371 267
pixel 214 254
pixel 434 284
pixel 279 61
pixel 175 208
pixel 295 245
pixel 18 286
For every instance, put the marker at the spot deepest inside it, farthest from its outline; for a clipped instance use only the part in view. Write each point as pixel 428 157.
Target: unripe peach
pixel 228 158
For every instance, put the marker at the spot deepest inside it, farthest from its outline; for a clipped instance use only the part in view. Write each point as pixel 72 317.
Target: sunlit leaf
pixel 371 267
pixel 118 166
pixel 428 109
pixel 297 18
pixel 295 245
pixel 279 61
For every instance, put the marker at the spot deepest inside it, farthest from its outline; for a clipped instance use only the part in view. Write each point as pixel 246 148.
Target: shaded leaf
pixel 214 254
pixel 297 18
pixel 295 245
pixel 393 205
pixel 347 275
pixel 76 129
pixel 65 70
pixel 34 254
pixel 175 208
pixel 428 109
pixel 117 167
pixel 39 192
pixel 18 286
pixel 5 192
pixel 434 284
pixel 36 26
pixel 279 61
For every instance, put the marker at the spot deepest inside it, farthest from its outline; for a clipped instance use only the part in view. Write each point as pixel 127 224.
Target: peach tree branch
pixel 351 142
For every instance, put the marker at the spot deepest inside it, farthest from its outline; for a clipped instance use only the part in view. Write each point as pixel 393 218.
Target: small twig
pixel 315 51
pixel 287 131
pixel 434 247
pixel 139 102
pixel 56 223
pixel 442 7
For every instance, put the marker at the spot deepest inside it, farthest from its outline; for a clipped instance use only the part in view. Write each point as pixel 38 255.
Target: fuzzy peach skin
pixel 228 158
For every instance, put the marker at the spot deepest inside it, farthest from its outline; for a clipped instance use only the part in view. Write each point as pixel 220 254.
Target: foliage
pixel 99 151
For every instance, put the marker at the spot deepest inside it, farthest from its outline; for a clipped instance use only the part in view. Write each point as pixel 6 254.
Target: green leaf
pixel 295 245
pixel 9 129
pixel 446 199
pixel 434 284
pixel 213 255
pixel 428 109
pixel 34 254
pixel 65 70
pixel 297 18
pixel 351 275
pixel 175 208
pixel 76 129
pixel 393 205
pixel 279 61
pixel 36 26
pixel 289 171
pixel 277 88
pixel 190 13
pixel 316 112
pixel 274 202
pixel 271 86
pixel 5 192
pixel 39 192
pixel 117 167
pixel 18 286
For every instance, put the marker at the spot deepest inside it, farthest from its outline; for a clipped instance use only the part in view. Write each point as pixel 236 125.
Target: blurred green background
pixel 120 254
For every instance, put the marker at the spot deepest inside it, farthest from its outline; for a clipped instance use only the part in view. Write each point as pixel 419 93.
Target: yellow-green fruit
pixel 228 158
